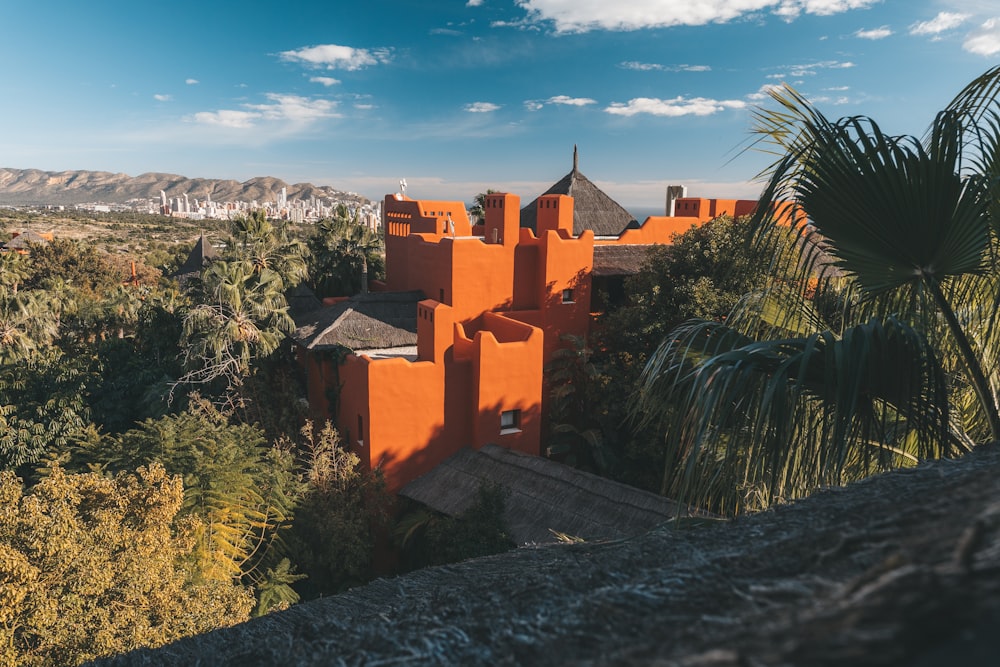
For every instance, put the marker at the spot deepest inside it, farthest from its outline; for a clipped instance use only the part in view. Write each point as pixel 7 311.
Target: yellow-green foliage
pixel 92 566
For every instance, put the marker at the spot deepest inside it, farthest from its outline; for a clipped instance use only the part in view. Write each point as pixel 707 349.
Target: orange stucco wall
pixel 690 212
pixel 499 298
pixel 408 417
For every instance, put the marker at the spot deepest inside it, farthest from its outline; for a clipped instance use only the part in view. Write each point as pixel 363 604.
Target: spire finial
pixel 576 159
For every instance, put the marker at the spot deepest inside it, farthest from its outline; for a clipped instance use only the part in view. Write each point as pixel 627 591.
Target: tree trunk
pixel 979 382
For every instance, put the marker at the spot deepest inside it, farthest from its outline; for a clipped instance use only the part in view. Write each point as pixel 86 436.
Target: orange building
pixel 449 351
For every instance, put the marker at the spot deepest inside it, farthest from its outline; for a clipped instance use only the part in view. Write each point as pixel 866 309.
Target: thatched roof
pixel 366 321
pixel 543 497
pixel 619 260
pixel 302 303
pixel 592 208
pixel 900 569
pixel 25 238
pixel 200 256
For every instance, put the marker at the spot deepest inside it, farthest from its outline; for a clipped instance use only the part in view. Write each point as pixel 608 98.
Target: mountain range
pixel 33 186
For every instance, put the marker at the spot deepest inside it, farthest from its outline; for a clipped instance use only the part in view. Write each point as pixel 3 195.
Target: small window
pixel 567 296
pixel 361 431
pixel 510 421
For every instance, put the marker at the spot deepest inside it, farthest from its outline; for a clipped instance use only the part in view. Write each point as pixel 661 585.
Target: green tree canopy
pixel 242 490
pixel 243 317
pixel 94 566
pixel 345 255
pixel 267 245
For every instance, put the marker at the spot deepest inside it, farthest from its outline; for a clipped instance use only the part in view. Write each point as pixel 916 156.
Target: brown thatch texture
pixel 901 569
pixel 543 498
pixel 592 208
pixel 302 303
pixel 365 321
pixel 25 238
pixel 619 260
pixel 200 256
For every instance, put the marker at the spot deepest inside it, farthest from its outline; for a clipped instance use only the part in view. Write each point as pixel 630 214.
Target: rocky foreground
pixel 901 569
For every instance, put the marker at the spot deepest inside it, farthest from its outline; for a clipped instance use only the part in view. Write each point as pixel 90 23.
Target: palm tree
pixel 341 250
pixel 14 269
pixel 902 233
pixel 244 317
pixel 27 325
pixel 478 210
pixel 267 245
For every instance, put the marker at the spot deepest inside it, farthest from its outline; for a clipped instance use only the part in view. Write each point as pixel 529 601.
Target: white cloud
pixel 192 82
pixel 940 23
pixel 678 106
pixel 764 92
pixel 986 40
pixel 830 101
pixel 571 101
pixel 294 110
pixel 654 67
pixel 325 80
pixel 808 69
pixel 790 9
pixel 565 100
pixel 875 33
pixel 474 3
pixel 226 118
pixel 481 107
pixel 163 98
pixel 586 15
pixel 334 56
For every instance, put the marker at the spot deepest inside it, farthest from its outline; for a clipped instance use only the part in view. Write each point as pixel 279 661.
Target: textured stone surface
pixel 899 569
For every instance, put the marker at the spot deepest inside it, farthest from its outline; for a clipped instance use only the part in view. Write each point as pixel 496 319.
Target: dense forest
pixel 160 478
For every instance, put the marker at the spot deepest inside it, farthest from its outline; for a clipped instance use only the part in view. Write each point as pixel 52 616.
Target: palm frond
pixel 756 421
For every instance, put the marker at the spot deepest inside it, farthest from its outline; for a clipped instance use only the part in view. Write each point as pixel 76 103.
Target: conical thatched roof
pixel 366 321
pixel 544 498
pixel 302 303
pixel 592 208
pixel 200 256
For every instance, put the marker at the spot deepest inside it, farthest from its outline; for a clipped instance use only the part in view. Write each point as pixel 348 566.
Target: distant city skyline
pixel 464 95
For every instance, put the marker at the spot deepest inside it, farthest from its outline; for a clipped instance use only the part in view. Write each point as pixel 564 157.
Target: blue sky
pixel 458 96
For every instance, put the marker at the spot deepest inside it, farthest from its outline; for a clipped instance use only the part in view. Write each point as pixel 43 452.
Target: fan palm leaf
pixel 764 420
pixel 907 221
